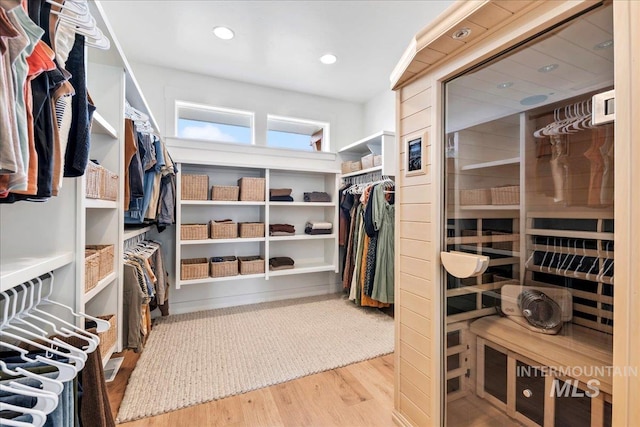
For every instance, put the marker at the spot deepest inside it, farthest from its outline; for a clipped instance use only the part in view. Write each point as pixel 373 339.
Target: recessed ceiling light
pixel 504 85
pixel 328 59
pixel 548 68
pixel 462 33
pixel 223 33
pixel 534 99
pixel 604 45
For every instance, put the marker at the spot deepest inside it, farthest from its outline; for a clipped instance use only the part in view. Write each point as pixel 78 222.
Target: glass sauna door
pixel 528 298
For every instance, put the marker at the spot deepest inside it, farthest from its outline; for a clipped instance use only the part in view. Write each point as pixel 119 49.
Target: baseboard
pixel 253 298
pixel 400 420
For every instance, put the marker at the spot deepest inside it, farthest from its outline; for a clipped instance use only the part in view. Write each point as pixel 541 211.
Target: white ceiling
pixel 277 43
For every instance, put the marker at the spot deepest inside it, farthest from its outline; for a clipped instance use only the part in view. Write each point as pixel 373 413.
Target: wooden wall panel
pixel 415 377
pixel 417 359
pixel 416 213
pixel 415 194
pixel 415 339
pixel 414 413
pixel 415 249
pixel 416 103
pixel 416 285
pixel 416 230
pixel 413 88
pixel 419 322
pixel 415 122
pixel 416 267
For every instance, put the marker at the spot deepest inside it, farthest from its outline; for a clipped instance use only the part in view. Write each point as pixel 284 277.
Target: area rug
pixel 198 357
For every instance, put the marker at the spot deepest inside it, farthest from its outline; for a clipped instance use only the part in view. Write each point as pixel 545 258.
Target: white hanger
pixel 595 262
pixel 101 325
pixel 48 384
pixel 66 371
pixel 45 401
pixel 573 257
pixel 600 277
pixel 38 418
pixel 553 256
pixel 546 252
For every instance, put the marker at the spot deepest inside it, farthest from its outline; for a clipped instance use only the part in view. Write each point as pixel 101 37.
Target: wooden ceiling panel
pixel 476 30
pixel 417 66
pixel 446 44
pixel 534 59
pixel 429 56
pixel 578 56
pixel 513 6
pixel 489 16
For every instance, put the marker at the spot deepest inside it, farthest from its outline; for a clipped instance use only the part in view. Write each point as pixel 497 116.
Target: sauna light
pixel 548 68
pixel 504 85
pixel 604 45
pixel 328 59
pixel 223 33
pixel 462 33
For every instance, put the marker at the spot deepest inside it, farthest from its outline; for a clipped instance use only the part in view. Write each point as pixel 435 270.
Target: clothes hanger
pixel 546 252
pixel 584 255
pixel 91 339
pixel 101 325
pixel 48 384
pixel 595 262
pixel 553 256
pixel 600 277
pixel 38 418
pixel 573 257
pixel 45 401
pixel 66 371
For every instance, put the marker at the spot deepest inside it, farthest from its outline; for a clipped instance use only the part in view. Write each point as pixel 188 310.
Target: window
pixel 297 134
pixel 196 121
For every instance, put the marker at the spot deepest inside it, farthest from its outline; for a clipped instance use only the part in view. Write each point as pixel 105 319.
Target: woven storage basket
pixel 93 179
pixel 251 189
pixel 251 266
pixel 223 268
pixel 477 196
pixel 367 161
pixel 223 230
pixel 225 192
pixel 194 232
pixel 195 187
pixel 350 166
pixel 507 195
pixel 105 256
pixel 194 268
pixel 108 337
pixel 377 160
pixel 251 229
pixel 109 185
pixel 91 269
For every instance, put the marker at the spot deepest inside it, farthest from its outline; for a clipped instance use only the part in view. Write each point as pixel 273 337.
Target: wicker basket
pixel 194 268
pixel 348 166
pixel 93 173
pixel 194 232
pixel 377 160
pixel 105 257
pixel 477 196
pixel 252 189
pixel 91 269
pixel 195 187
pixel 223 230
pixel 506 195
pixel 251 229
pixel 108 185
pixel 367 161
pixel 248 265
pixel 108 337
pixel 223 268
pixel 225 192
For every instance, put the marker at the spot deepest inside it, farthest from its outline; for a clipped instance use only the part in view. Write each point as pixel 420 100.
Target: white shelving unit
pixel 14 271
pixel 381 143
pixel 492 164
pixel 311 253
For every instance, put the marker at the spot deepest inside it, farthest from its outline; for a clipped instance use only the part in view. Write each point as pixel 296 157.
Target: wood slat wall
pixel 414 268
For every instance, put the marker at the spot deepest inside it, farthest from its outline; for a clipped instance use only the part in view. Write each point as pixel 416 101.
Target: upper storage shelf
pixel 381 143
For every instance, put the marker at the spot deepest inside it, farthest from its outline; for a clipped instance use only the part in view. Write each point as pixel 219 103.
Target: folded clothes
pixel 279 261
pixel 282 227
pixel 250 258
pixel 281 199
pixel 317 196
pixel 221 221
pixel 318 231
pixel 282 233
pixel 279 192
pixel 223 258
pixel 319 225
pixel 281 267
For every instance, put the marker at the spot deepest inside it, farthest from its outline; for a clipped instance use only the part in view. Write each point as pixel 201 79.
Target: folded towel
pixel 319 225
pixel 281 199
pixel 221 221
pixel 281 267
pixel 282 227
pixel 280 261
pixel 223 258
pixel 317 196
pixel 279 192
pixel 282 233
pixel 319 231
pixel 249 258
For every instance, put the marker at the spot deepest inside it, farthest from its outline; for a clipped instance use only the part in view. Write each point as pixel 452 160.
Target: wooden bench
pixel 577 355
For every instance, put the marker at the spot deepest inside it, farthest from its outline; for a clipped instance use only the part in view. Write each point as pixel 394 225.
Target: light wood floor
pixel 353 396
pixel 471 411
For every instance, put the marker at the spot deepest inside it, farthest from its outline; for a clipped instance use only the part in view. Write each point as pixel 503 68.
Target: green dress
pixel 383 221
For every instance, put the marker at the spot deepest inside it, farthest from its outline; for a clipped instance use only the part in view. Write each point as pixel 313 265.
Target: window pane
pixel 196 129
pixel 294 141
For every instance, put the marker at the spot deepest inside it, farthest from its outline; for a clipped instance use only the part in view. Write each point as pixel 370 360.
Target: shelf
pixel 107 356
pixel 99 287
pixel 489 208
pixel 495 163
pixel 301 237
pixel 100 125
pixel 307 204
pixel 135 232
pixel 16 271
pixel 220 203
pixel 364 145
pixel 304 268
pixel 222 279
pixel 100 204
pixel 362 172
pixel 214 241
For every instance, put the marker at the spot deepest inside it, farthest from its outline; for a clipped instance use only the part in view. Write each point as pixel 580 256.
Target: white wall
pixel 163 86
pixel 380 113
